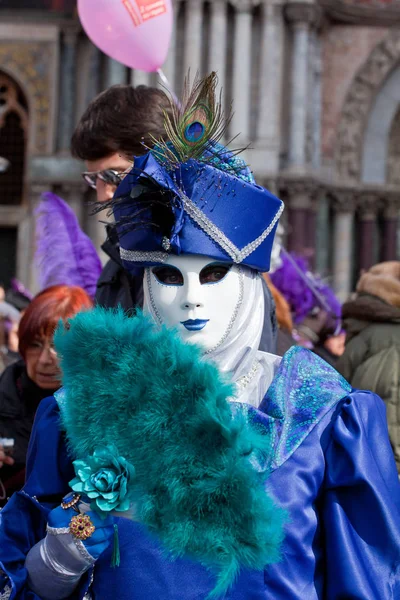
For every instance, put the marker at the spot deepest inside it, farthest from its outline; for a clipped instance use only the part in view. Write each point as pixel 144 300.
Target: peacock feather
pixel 196 124
pixel 193 129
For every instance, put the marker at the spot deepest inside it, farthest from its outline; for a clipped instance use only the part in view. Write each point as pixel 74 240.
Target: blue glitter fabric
pixel 304 389
pixel 61 397
pixel 224 159
pixel 215 154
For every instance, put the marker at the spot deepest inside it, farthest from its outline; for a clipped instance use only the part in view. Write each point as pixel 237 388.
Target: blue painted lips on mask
pixel 195 324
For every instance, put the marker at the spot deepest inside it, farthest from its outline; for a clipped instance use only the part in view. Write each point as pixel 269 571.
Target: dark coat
pixel 371 359
pixel 117 287
pixel 326 355
pixel 7 357
pixel 19 400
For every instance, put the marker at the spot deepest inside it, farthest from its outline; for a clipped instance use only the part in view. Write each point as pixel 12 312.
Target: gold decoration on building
pixel 30 64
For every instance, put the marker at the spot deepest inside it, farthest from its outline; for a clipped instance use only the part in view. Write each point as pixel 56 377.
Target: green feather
pixel 167 410
pixel 200 106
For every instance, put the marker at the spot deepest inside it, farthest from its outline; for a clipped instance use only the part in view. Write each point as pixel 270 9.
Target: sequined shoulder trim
pixel 142 256
pixel 6 593
pixel 61 397
pixel 304 389
pixel 218 236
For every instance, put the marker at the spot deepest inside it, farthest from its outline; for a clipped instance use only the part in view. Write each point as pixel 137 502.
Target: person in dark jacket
pixel 372 354
pixel 24 384
pixel 9 319
pixel 117 125
pixel 330 345
pixel 122 122
pixel 115 285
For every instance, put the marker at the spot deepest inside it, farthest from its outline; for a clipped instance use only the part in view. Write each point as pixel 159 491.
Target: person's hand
pixel 4 458
pixel 57 562
pixel 101 537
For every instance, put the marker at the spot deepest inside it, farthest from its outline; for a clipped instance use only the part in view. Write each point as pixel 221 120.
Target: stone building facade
pixel 316 89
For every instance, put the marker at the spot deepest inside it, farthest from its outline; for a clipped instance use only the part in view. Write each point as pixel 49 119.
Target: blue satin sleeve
pixel 23 520
pixel 22 525
pixel 48 466
pixel 360 507
pixel 339 486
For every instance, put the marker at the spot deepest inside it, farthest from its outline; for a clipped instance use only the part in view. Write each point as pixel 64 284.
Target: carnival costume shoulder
pixel 319 435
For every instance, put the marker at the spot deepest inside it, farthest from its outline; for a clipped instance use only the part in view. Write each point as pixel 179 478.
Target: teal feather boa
pixel 167 410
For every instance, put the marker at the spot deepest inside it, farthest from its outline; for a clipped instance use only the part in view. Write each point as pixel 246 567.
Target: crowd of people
pixel 167 267
pixel 33 375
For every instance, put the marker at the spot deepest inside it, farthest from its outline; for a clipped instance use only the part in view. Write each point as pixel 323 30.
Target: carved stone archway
pixel 14 129
pixel 357 106
pixel 32 66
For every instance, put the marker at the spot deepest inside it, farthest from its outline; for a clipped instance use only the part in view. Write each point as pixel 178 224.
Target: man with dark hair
pixel 117 125
pixel 121 120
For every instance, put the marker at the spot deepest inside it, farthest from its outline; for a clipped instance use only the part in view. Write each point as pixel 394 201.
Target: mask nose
pixel 192 305
pixel 193 293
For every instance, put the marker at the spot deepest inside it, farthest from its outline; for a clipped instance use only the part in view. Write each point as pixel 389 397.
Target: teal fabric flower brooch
pixel 106 479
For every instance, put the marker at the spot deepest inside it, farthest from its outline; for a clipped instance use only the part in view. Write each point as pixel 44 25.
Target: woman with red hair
pixel 25 383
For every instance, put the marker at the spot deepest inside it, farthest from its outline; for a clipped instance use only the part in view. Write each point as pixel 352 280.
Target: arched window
pixel 13 138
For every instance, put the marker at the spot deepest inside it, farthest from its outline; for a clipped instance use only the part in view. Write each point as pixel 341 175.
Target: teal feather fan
pixel 141 388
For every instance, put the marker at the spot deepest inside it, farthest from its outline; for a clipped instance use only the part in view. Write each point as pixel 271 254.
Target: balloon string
pixel 168 86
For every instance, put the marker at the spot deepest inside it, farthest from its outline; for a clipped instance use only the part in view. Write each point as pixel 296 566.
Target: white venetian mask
pixel 197 295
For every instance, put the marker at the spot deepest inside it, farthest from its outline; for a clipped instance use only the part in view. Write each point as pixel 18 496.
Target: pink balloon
pixel 134 32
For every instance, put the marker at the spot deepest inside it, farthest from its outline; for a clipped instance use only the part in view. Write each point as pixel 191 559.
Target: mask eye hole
pixel 214 273
pixel 168 275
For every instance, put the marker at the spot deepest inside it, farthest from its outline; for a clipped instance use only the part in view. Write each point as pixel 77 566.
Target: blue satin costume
pixel 332 469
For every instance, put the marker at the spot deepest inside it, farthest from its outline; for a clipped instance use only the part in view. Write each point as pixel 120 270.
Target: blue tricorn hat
pixel 194 209
pixel 191 195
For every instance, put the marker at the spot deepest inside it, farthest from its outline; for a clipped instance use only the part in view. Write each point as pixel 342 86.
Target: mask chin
pixel 197 296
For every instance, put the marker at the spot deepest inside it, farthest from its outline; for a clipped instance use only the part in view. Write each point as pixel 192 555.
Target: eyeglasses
pixel 37 347
pixel 108 176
